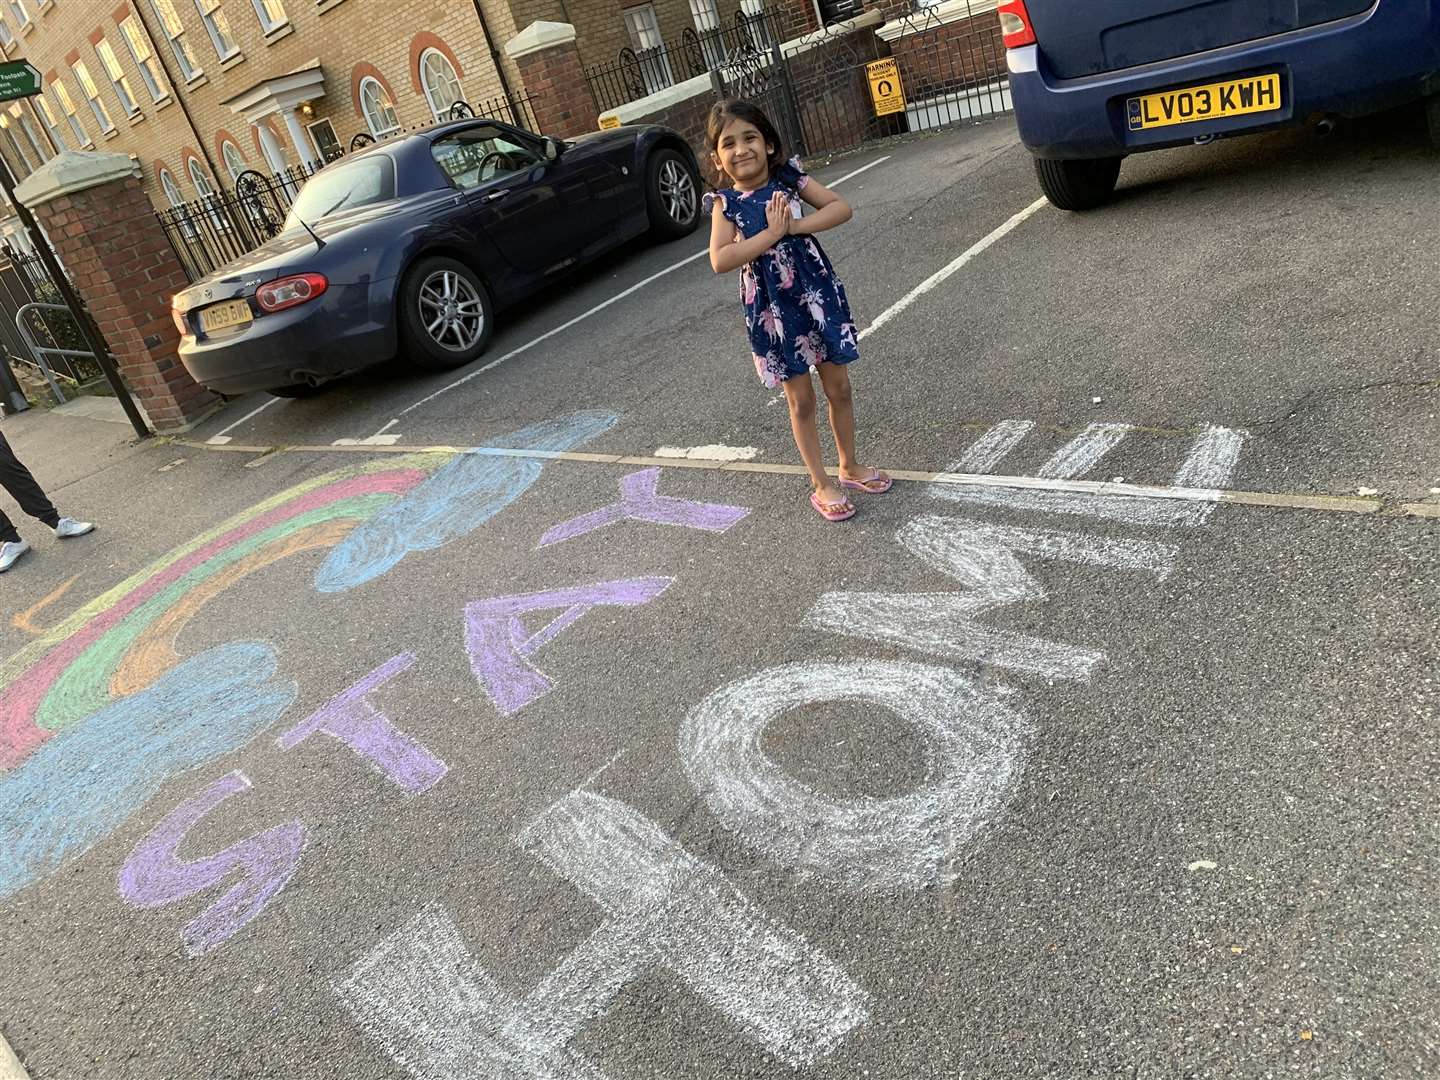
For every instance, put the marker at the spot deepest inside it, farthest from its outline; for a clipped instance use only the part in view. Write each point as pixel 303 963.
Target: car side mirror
pixel 553 148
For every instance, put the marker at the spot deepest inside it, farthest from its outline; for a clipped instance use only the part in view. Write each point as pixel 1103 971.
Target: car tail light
pixel 288 292
pixel 1015 26
pixel 181 323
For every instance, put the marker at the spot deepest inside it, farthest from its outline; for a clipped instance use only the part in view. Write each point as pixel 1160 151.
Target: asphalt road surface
pixel 343 757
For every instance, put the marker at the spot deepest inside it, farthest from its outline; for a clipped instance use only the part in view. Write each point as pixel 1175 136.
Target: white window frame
pixel 17 8
pixel 47 118
pixel 67 106
pixel 706 16
pixel 7 36
pixel 174 30
pixel 91 93
pixel 268 21
pixel 204 189
pixel 119 81
pixel 177 202
pixel 18 114
pixel 643 28
pixel 9 131
pixel 274 166
pixel 384 103
pixel 144 57
pixel 217 25
pixel 454 86
pixel 233 165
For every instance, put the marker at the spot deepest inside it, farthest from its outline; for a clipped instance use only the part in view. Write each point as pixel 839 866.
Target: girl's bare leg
pixel 800 396
pixel 836 380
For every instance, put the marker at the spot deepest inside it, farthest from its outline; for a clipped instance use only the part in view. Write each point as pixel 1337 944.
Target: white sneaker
pixel 10 551
pixel 68 527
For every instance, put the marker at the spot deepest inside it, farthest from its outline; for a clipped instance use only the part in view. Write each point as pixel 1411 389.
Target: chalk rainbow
pixel 123 641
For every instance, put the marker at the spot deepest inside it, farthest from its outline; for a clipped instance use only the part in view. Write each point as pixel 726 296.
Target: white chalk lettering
pixel 973 745
pixel 441 1016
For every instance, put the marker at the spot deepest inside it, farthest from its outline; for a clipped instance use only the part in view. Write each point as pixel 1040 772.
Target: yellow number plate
pixel 1259 93
pixel 225 316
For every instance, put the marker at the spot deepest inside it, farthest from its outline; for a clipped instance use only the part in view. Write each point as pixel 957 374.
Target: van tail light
pixel 288 292
pixel 1015 26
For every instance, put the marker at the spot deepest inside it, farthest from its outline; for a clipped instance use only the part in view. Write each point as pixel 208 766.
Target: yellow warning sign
pixel 608 122
pixel 886 90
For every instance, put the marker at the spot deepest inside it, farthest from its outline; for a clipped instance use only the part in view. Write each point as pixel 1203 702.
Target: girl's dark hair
pixel 734 109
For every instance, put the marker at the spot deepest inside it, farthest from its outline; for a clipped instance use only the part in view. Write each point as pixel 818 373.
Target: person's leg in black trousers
pixel 17 480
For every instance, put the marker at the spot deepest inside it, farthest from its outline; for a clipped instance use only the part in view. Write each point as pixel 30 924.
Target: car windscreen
pixel 354 184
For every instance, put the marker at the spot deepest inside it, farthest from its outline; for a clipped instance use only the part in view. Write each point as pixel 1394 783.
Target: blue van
pixel 1096 80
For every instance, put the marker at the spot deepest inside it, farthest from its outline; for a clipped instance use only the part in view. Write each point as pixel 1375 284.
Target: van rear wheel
pixel 1078 184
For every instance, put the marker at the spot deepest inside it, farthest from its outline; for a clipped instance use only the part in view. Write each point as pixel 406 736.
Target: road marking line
pixel 1352 504
pixel 991 448
pixel 10 1067
pixel 582 317
pixel 951 268
pixel 220 438
pixel 1084 451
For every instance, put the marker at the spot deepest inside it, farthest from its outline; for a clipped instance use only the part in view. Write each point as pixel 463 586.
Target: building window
pixel 17 8
pixel 22 121
pixel 118 79
pixel 143 57
pixel 172 189
pixel 644 31
pixel 175 34
pixel 234 160
pixel 322 134
pixel 6 37
pixel 379 110
pixel 270 147
pixel 47 117
pixel 272 14
pixel 23 168
pixel 707 25
pixel 442 85
pixel 217 25
pixel 92 95
pixel 67 105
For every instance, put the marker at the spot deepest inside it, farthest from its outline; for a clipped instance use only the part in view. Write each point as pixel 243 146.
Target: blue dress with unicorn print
pixel 796 311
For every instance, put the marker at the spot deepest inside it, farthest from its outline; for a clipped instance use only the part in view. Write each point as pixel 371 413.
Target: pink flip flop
pixel 832 515
pixel 875 485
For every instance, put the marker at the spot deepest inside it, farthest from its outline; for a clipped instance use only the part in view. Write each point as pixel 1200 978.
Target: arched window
pixel 171 189
pixel 270 147
pixel 379 110
pixel 203 187
pixel 442 85
pixel 234 161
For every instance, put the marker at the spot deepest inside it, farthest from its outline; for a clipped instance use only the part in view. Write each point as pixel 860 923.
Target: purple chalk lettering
pixel 154 876
pixel 500 647
pixel 352 719
pixel 638 500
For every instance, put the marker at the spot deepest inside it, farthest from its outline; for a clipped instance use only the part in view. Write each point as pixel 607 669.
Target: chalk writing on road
pixel 439 1013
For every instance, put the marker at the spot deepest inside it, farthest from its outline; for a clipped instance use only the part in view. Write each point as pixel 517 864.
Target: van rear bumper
pixel 1330 69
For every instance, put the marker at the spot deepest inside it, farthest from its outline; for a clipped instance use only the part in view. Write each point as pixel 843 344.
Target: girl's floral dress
pixel 795 306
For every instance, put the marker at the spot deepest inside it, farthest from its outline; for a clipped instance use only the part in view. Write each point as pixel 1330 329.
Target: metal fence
pixel 208 232
pixel 634 74
pixel 37 330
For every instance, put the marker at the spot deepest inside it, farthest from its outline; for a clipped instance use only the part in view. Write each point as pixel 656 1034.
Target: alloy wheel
pixel 677 191
pixel 451 311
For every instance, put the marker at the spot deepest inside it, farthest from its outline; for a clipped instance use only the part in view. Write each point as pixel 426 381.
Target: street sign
pixel 886 90
pixel 19 79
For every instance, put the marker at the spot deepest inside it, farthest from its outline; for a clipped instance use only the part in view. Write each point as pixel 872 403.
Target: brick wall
pixel 564 106
pixel 946 58
pixel 341 33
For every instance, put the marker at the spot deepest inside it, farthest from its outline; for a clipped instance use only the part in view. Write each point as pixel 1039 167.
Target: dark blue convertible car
pixel 412 246
pixel 1096 80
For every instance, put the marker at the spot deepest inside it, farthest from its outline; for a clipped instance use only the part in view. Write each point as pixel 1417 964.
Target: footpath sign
pixel 19 79
pixel 886 90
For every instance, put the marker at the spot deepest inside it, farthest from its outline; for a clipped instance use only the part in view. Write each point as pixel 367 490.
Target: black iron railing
pixel 636 74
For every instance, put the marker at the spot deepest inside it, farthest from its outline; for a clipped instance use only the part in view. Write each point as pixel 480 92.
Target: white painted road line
pixel 220 438
pixel 631 291
pixel 951 268
pixel 991 448
pixel 10 1067
pixel 1083 453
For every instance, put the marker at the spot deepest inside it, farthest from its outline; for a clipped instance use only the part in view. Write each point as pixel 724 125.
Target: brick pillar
pixel 102 226
pixel 550 68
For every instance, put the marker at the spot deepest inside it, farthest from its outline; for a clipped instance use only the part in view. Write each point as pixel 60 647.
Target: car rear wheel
pixel 445 314
pixel 672 194
pixel 1078 185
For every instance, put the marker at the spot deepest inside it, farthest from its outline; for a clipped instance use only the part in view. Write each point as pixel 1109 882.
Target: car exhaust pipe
pixel 1324 127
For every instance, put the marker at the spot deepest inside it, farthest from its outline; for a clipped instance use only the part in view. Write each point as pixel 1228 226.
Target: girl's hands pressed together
pixel 778 217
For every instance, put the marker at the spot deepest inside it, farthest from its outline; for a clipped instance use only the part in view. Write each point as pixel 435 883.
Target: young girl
pixel 795 306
